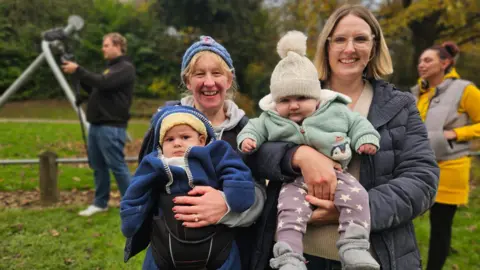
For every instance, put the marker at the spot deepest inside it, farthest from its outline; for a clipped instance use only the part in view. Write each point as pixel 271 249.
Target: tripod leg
pixel 62 81
pixel 22 79
pixel 85 143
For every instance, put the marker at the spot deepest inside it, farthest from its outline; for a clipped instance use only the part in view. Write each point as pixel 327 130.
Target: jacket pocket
pixel 409 261
pixel 447 149
pixel 439 144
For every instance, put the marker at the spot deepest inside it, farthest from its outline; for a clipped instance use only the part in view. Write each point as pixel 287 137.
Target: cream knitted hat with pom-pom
pixel 295 74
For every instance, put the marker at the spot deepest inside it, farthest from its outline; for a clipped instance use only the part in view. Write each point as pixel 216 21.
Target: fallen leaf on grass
pixel 115 194
pixel 472 228
pixel 17 227
pixel 96 235
pixel 54 233
pixel 76 179
pixel 25 202
pixel 68 261
pixel 69 145
pixel 455 267
pixel 30 199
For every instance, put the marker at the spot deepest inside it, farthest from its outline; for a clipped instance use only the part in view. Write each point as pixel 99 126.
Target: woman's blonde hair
pixel 380 64
pixel 190 69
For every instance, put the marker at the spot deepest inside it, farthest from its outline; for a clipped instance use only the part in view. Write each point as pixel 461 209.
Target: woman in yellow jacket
pixel 449 106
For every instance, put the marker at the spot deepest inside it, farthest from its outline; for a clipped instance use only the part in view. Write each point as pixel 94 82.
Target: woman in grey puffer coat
pixel 401 178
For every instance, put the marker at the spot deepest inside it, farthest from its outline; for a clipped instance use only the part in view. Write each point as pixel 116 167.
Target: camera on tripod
pixel 59 37
pixel 67 57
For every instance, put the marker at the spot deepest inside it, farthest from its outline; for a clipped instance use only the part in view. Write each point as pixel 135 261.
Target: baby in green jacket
pixel 298 110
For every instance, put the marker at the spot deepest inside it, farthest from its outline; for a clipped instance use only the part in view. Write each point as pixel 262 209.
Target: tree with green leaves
pixel 423 23
pixel 152 51
pixel 409 27
pixel 244 27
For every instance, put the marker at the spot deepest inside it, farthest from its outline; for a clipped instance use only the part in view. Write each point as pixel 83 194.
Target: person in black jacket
pixel 110 98
pixel 208 78
pixel 401 179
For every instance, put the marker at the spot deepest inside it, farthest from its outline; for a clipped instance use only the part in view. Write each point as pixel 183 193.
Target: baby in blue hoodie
pixel 187 155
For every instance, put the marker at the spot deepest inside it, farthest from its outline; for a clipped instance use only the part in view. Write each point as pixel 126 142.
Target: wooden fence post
pixel 48 178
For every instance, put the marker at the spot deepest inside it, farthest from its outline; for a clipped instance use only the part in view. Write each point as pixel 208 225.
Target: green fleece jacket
pixel 331 129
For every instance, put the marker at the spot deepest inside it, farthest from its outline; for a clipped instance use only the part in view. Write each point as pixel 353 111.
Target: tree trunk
pixel 424 34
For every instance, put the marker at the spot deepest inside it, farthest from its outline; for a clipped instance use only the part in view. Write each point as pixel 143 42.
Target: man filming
pixel 110 98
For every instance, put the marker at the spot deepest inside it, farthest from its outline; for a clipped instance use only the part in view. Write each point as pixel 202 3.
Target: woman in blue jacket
pixel 208 76
pixel 401 179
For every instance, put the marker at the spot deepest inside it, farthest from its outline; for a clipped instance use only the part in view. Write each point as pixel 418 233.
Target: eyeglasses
pixel 339 43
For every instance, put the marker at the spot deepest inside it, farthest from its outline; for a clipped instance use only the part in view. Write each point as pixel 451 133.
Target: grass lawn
pixel 29 242
pixel 56 238
pixel 28 140
pixel 61 109
pixel 60 239
pixel 465 236
pixel 25 177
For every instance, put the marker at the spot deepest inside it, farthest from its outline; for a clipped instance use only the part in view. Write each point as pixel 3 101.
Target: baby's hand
pixel 248 145
pixel 367 149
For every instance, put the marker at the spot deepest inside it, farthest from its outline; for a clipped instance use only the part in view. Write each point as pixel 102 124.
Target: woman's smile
pixel 348 60
pixel 210 93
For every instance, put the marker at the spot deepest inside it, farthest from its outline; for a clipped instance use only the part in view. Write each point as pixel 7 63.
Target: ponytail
pixel 452 49
pixel 448 50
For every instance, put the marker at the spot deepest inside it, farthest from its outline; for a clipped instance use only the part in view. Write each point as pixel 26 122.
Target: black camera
pixel 54 34
pixel 67 57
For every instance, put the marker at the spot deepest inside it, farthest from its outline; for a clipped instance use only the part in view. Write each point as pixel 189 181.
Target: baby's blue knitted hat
pixel 206 43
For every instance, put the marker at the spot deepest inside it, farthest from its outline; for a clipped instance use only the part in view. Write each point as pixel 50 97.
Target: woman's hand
pixel 318 172
pixel 450 134
pixel 325 213
pixel 202 207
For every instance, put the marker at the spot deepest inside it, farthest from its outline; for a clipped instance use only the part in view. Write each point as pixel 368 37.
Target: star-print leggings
pixel 351 200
